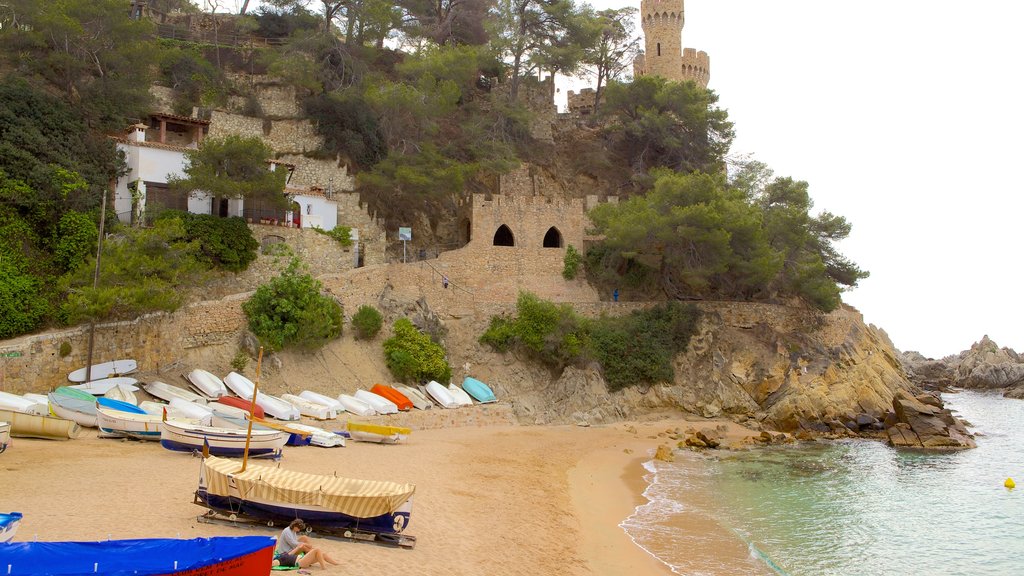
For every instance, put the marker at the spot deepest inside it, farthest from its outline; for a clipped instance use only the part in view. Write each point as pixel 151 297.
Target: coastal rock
pixel 922 424
pixel 665 453
pixel 984 366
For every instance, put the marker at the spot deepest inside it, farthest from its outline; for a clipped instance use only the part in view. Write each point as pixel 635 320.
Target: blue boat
pixel 8 526
pixel 119 405
pixel 480 392
pixel 220 556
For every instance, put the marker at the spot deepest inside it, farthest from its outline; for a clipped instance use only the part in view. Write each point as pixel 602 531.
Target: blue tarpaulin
pixel 143 557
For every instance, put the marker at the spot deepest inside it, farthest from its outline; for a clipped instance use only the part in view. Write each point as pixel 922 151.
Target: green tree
pixel 232 167
pixel 291 311
pixel 455 22
pixel 412 356
pixel 22 302
pixel 367 322
pixel 74 240
pixel 614 50
pixel 225 243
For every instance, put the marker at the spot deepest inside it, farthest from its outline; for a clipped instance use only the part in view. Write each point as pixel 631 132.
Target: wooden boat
pixel 271 405
pixel 377 433
pixel 198 412
pixel 5 436
pixel 219 555
pixel 35 426
pixel 460 396
pixel 241 404
pixel 240 385
pixel 118 405
pixel 101 387
pixel 167 392
pixel 391 395
pixel 182 437
pixel 481 392
pixel 131 425
pixel 173 412
pixel 82 412
pixel 356 406
pixel 105 370
pixel 309 408
pixel 16 403
pixel 123 393
pixel 319 436
pixel 321 399
pixel 9 524
pixel 326 503
pixel 207 383
pixel 380 404
pixel 441 395
pixel 417 398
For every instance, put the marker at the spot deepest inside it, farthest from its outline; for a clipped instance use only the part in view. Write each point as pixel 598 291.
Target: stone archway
pixel 553 238
pixel 465 231
pixel 504 237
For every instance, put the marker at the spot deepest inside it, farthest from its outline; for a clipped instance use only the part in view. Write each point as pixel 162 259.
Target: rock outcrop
pixel 922 422
pixel 984 366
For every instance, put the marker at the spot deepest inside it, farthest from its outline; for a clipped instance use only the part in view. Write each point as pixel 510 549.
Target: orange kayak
pixel 393 395
pixel 241 403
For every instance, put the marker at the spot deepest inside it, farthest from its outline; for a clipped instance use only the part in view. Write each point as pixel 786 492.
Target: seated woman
pixel 295 550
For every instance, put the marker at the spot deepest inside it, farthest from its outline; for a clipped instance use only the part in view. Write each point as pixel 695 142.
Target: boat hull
pixel 480 392
pixel 9 525
pixel 207 383
pixel 79 411
pixel 222 441
pixel 166 392
pixel 392 395
pixel 105 370
pixel 45 427
pixel 5 435
pixel 379 403
pixel 314 516
pixel 241 404
pixel 356 406
pixel 101 387
pixel 441 395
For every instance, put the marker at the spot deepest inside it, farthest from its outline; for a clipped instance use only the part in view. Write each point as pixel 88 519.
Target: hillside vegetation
pixel 422 125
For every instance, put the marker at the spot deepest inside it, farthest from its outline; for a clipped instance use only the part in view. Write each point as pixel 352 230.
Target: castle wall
pixel 529 218
pixel 662 22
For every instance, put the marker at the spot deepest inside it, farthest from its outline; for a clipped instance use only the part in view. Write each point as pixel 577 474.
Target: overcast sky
pixel 905 117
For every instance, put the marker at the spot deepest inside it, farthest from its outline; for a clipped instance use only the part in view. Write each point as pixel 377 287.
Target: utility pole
pixel 95 284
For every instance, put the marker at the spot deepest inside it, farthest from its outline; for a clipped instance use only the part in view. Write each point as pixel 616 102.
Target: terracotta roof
pixel 183 119
pixel 156 145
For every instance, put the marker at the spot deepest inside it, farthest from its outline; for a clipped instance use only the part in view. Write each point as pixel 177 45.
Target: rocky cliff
pixel 984 366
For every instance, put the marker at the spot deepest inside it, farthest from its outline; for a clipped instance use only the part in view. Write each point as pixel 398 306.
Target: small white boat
pixel 105 370
pixel 167 392
pixel 140 426
pixel 5 437
pixel 356 406
pixel 276 407
pixel 319 436
pixel 441 395
pixel 461 396
pixel 37 398
pixel 123 393
pixel 77 410
pixel 16 403
pixel 207 384
pixel 200 413
pixel 380 404
pixel 377 433
pixel 222 441
pixel 310 408
pixel 240 385
pixel 225 410
pixel 101 387
pixel 417 398
pixel 321 399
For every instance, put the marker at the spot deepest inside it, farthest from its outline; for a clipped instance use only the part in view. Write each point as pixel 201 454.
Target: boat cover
pixel 140 557
pixel 356 498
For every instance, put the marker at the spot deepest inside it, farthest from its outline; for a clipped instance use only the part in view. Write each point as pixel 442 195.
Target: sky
pixel 905 116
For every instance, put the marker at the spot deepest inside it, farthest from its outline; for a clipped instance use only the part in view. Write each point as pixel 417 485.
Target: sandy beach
pixel 489 500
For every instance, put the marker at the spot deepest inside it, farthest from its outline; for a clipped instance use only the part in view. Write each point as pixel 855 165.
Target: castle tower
pixel 662 23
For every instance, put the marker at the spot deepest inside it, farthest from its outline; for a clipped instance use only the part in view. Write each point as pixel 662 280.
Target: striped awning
pixel 356 498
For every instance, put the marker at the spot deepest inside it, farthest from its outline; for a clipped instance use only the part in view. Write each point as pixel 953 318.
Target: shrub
pixel 22 307
pixel 367 322
pixel 413 357
pixel 226 243
pixel 240 361
pixel 290 311
pixel 74 240
pixel 572 262
pixel 65 349
pixel 554 335
pixel 343 234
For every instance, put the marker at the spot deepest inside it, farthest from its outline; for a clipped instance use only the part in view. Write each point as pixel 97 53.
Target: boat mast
pixel 95 284
pixel 252 409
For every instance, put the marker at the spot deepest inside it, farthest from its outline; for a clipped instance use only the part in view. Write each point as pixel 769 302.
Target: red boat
pixel 400 400
pixel 241 403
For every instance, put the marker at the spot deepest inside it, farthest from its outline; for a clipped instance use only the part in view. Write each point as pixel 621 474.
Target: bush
pixel 367 322
pixel 554 335
pixel 74 240
pixel 343 234
pixel 572 262
pixel 290 311
pixel 226 243
pixel 22 307
pixel 240 361
pixel 413 357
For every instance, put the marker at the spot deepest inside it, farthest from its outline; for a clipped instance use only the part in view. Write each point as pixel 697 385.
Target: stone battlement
pixel 662 22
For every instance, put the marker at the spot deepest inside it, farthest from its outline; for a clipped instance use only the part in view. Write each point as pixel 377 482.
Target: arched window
pixel 553 238
pixel 504 237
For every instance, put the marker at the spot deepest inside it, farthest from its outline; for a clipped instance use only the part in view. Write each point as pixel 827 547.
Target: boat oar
pixel 252 409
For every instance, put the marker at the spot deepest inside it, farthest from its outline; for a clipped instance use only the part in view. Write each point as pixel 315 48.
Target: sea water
pixel 847 507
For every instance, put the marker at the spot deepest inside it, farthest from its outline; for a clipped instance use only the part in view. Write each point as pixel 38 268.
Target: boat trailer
pixel 222 518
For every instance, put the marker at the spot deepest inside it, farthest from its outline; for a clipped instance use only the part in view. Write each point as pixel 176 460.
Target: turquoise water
pixel 851 507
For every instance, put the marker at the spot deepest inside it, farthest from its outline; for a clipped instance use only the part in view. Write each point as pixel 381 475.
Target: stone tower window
pixel 553 238
pixel 504 237
pixel 659 48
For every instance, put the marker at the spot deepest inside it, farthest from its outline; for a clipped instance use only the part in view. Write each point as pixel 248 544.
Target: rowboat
pixel 131 425
pixel 321 399
pixel 206 383
pixel 220 556
pixel 123 393
pixel 481 392
pixel 35 426
pixel 310 408
pixel 5 435
pixel 241 404
pixel 377 433
pixel 394 396
pixel 82 412
pixel 105 370
pixel 441 395
pixel 183 437
pixel 16 403
pixel 9 525
pixel 37 398
pixel 199 412
pixel 355 405
pixel 325 502
pixel 271 405
pixel 415 396
pixel 118 405
pixel 240 385
pixel 319 436
pixel 460 396
pixel 380 404
pixel 101 387
pixel 70 392
pixel 167 392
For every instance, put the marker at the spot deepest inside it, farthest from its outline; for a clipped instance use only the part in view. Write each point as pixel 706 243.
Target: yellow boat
pixel 377 433
pixel 33 426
